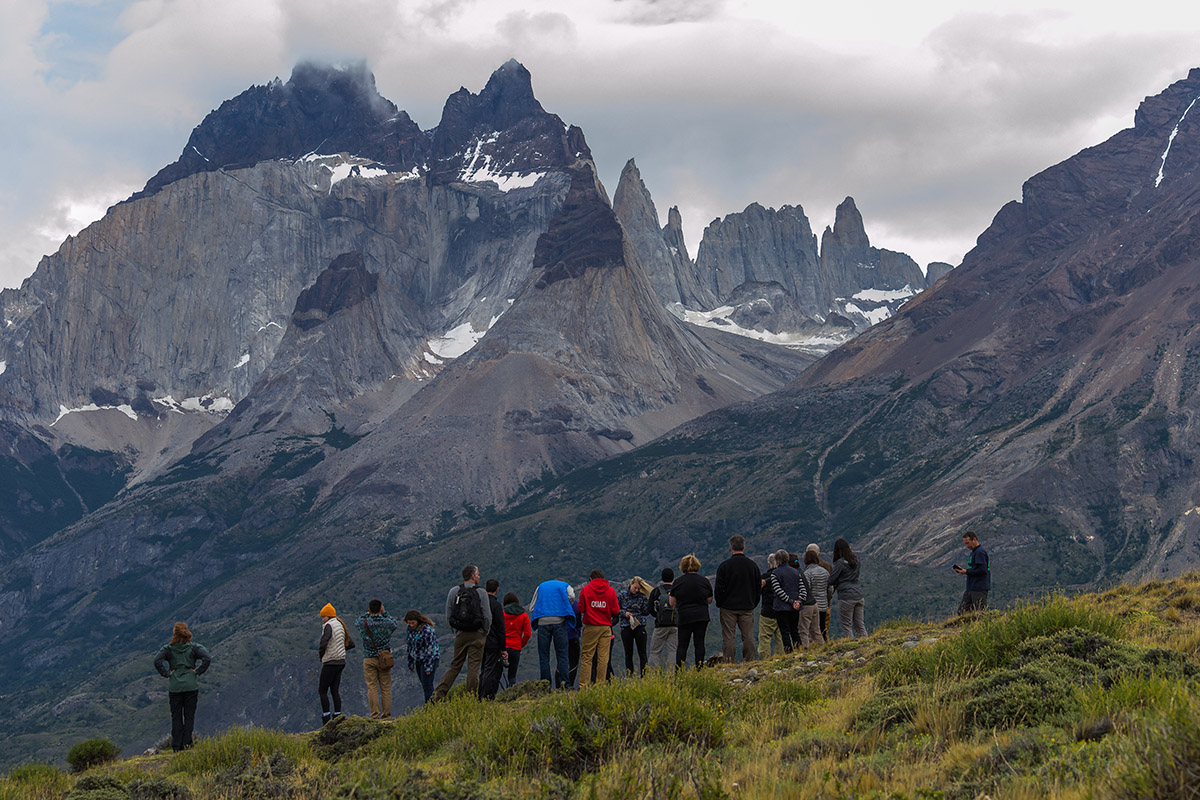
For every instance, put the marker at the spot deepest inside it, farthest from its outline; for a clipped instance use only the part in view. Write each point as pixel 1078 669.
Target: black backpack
pixel 664 612
pixel 467 612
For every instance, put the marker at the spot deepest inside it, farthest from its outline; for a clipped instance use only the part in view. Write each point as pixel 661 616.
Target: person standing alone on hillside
pixel 469 612
pixel 181 662
pixel 738 591
pixel 979 576
pixel 376 628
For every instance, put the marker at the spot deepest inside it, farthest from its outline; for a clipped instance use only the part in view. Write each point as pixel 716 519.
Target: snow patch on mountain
pixel 243 361
pixel 884 295
pixel 479 169
pixel 124 408
pixel 456 341
pixel 1170 141
pixel 206 403
pixel 718 319
pixel 3 367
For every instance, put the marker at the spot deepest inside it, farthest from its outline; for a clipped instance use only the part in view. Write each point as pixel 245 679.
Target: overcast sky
pixel 931 117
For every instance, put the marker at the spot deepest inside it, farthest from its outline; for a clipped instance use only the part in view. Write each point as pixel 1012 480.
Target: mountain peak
pixel 322 108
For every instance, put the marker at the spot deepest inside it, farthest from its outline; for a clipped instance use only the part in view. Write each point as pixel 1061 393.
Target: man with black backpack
pixel 470 616
pixel 664 639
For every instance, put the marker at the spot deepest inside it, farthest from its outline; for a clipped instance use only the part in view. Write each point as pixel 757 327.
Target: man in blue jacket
pixel 551 611
pixel 979 576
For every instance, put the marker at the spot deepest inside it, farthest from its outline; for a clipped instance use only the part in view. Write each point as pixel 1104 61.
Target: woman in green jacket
pixel 181 662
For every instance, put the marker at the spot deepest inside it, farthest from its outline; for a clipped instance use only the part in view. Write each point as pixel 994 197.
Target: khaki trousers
pixel 731 623
pixel 379 687
pixel 810 627
pixel 468 647
pixel 769 637
pixel 594 644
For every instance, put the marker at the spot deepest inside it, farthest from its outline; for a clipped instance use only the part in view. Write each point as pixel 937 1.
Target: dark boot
pixel 325 717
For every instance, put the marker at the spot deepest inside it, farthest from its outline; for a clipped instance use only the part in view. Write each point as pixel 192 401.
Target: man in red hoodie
pixel 598 606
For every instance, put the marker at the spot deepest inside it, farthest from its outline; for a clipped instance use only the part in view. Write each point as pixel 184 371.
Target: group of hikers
pixel 793 597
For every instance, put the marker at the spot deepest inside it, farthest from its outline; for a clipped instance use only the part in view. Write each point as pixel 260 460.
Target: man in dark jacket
pixel 495 653
pixel 979 576
pixel 737 593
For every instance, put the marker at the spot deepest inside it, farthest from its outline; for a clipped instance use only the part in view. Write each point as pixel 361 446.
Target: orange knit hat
pixel 328 611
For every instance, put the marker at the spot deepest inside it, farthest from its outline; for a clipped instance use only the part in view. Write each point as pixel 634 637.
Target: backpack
pixel 467 612
pixel 664 612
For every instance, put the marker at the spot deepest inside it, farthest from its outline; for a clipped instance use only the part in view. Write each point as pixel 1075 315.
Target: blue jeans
pixel 427 678
pixel 557 633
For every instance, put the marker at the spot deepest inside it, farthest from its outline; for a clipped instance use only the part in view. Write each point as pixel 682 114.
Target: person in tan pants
pixel 598 605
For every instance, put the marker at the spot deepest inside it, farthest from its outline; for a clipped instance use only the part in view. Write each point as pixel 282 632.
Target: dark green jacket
pixel 182 664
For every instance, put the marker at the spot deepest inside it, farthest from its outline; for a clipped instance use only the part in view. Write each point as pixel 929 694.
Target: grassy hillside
pixel 1091 696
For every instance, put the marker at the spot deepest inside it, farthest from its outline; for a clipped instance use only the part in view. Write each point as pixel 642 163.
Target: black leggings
pixel 514 659
pixel 331 682
pixel 789 628
pixel 629 638
pixel 695 630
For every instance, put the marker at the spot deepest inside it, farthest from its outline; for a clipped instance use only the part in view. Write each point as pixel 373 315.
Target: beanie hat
pixel 328 611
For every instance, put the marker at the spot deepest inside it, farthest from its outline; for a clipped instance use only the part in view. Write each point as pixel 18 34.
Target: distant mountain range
pixel 326 353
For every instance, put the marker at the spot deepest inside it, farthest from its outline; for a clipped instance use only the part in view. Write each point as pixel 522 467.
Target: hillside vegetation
pixel 1095 696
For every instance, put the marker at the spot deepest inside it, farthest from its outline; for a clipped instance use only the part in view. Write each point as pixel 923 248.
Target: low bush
pixel 158 789
pixel 1042 692
pixel 523 690
pixel 888 708
pixel 98 787
pixel 90 753
pixel 345 735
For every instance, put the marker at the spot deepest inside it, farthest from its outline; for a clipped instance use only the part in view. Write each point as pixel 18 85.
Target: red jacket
pixel 517 632
pixel 598 603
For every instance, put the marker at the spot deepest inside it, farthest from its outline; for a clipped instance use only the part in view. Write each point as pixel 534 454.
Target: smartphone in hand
pixel 956 566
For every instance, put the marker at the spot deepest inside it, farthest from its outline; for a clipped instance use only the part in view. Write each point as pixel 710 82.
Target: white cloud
pixel 930 118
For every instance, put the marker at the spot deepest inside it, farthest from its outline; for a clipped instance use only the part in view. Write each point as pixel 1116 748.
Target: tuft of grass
pixel 1160 759
pixel 237 747
pixel 989 641
pixel 34 782
pixel 578 732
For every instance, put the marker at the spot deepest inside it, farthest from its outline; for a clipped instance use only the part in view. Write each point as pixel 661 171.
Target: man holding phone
pixel 979 576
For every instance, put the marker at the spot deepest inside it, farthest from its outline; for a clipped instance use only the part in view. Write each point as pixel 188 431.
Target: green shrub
pixel 345 735
pixel 158 789
pixel 523 690
pixel 1042 692
pixel 888 708
pixel 98 787
pixel 91 752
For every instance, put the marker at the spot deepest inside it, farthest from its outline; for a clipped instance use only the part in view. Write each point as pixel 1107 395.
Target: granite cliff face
pixel 760 273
